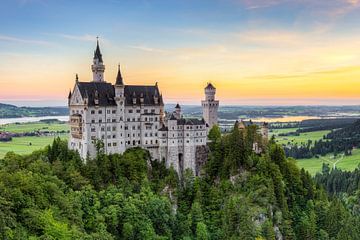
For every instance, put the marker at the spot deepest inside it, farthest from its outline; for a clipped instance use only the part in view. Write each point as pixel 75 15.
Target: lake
pixel 31 119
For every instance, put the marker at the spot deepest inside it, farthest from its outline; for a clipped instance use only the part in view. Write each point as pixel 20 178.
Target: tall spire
pixel 97 53
pixel 119 79
pixel 98 67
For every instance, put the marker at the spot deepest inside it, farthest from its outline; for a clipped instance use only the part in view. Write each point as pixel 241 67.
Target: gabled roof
pixel 119 79
pixel 190 121
pixel 97 53
pixel 102 91
pixel 141 91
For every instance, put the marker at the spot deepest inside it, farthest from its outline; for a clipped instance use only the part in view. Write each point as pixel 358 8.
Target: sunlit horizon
pixel 254 52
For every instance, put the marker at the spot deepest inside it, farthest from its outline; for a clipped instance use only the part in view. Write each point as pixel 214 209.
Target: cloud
pixel 85 37
pixel 22 40
pixel 148 49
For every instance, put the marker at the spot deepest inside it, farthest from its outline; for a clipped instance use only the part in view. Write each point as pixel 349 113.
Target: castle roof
pixel 190 121
pixel 177 105
pixel 148 93
pixel 105 93
pixel 102 91
pixel 97 53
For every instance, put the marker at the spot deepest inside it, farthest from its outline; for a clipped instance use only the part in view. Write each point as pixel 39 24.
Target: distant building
pixel 126 116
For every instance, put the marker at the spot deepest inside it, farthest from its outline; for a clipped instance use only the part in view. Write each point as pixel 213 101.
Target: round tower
pixel 210 106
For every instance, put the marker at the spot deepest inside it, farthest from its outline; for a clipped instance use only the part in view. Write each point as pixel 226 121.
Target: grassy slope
pixel 21 145
pixel 302 138
pixel 314 165
pixel 37 126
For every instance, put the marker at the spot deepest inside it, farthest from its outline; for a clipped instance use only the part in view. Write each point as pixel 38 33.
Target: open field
pixel 302 138
pixel 21 145
pixel 34 126
pixel 314 165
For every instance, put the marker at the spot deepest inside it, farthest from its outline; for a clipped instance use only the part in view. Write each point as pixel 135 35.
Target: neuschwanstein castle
pixel 126 116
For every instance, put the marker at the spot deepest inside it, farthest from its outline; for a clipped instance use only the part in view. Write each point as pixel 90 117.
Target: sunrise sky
pixel 256 52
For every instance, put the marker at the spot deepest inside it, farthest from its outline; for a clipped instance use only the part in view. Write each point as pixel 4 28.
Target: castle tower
pixel 98 66
pixel 210 106
pixel 177 112
pixel 120 109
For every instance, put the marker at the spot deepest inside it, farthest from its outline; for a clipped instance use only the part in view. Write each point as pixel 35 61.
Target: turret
pixel 98 66
pixel 177 112
pixel 119 85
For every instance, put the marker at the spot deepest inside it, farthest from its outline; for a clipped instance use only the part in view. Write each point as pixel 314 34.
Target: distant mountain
pixel 12 111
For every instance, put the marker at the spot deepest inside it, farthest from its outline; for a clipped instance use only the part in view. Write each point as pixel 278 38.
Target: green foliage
pixel 53 194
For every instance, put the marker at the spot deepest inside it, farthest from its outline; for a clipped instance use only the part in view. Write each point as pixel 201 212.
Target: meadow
pixel 28 144
pixel 35 126
pixel 302 138
pixel 314 165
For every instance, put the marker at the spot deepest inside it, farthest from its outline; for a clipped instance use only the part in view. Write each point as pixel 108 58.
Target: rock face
pixel 201 156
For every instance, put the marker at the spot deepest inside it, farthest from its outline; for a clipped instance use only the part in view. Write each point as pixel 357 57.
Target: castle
pixel 126 116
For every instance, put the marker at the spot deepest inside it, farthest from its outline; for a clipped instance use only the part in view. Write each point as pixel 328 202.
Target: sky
pixel 255 52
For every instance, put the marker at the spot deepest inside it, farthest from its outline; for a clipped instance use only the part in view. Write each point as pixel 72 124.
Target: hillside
pixel 12 111
pixel 52 194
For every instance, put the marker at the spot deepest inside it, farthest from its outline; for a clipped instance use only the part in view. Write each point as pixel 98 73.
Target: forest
pixel 53 194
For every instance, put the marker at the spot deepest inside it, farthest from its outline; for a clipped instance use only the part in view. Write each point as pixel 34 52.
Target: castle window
pixel 145 134
pixel 145 111
pixel 93 129
pixel 108 120
pixel 100 111
pixel 156 141
pixel 146 142
pixel 102 129
pixel 92 120
pixel 108 111
pixel 92 111
pixel 137 110
pixel 113 111
pixel 139 142
pixel 114 128
pixel 128 119
pixel 133 119
pixel 152 110
pixel 187 141
pixel 126 127
pixel 130 110
pixel 133 127
pixel 114 136
pixel 100 120
pixel 155 118
pixel 146 119
pixel 150 134
pixel 114 120
pixel 114 144
pixel 109 144
pixel 121 119
pixel 151 142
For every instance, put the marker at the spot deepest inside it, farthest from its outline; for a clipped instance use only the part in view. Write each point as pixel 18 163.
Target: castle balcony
pixel 76 126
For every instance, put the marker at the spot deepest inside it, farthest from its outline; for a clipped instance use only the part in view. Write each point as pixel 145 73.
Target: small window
pixel 92 111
